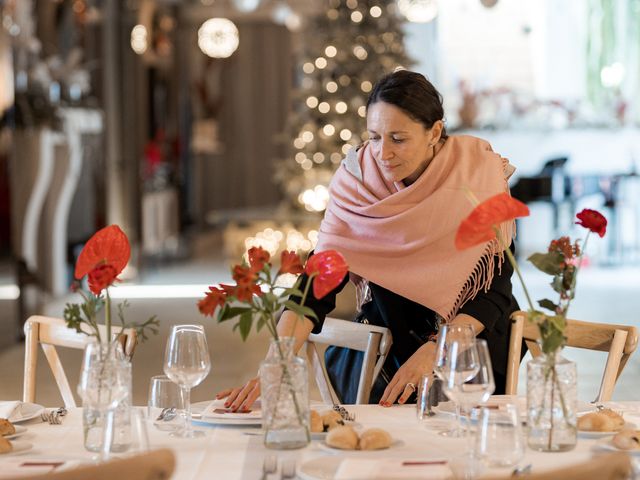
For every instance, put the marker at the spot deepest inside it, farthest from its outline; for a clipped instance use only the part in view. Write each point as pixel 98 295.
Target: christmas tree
pixel 345 50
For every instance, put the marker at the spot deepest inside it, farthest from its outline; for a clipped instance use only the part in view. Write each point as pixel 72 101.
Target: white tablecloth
pixel 231 452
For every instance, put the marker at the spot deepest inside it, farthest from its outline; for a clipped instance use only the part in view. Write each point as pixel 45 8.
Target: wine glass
pixel 187 363
pixel 477 390
pixel 456 362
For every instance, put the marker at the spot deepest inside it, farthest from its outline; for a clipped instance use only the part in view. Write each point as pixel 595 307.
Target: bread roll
pixel 616 418
pixel 603 421
pixel 6 427
pixel 316 422
pixel 343 437
pixel 627 440
pixel 5 445
pixel 331 419
pixel 375 439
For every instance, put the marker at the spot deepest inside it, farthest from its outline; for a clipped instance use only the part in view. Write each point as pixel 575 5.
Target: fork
pixel 288 470
pixel 53 416
pixel 269 466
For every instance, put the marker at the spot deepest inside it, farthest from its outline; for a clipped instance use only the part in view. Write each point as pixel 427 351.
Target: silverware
pixel 344 413
pixel 269 466
pixel 167 414
pixel 288 470
pixel 54 417
pixel 523 470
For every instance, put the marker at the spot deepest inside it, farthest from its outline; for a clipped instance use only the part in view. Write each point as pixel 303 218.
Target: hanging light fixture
pixel 218 37
pixel 418 11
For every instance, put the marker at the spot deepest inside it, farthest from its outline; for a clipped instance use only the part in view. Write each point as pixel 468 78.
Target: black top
pixel 411 323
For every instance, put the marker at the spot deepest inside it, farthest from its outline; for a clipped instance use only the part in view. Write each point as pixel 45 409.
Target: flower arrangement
pixel 548 390
pixel 562 260
pixel 258 294
pixel 101 260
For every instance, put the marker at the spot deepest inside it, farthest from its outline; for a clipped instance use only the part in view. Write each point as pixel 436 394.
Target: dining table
pixel 229 452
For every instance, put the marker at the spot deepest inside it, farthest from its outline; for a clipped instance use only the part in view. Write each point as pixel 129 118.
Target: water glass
pixel 187 363
pixel 500 440
pixel 424 396
pixel 165 396
pixel 139 433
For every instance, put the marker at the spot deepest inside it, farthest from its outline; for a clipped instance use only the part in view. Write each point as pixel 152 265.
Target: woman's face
pixel 401 146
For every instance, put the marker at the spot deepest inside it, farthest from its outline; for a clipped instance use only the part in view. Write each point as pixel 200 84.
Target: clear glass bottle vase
pixel 105 386
pixel 284 387
pixel 551 403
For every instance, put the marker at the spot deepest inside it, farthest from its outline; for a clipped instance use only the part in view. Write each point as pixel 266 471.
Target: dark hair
pixel 413 94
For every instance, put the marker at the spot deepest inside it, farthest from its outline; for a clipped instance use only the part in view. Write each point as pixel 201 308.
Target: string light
pixel 332 87
pixel 375 11
pixel 328 130
pixel 366 86
pixel 360 52
pixel 324 107
pixel 308 68
pixel 418 11
pixel 330 51
pixel 316 199
pixel 139 39
pixel 312 102
pixel 345 134
pixel 341 107
pixel 356 17
pixel 318 157
pixel 218 38
pixel 307 136
pixel 321 62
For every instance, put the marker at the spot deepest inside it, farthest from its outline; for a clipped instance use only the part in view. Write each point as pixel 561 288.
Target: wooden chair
pixel 619 340
pixel 374 341
pixel 610 466
pixel 154 465
pixel 51 333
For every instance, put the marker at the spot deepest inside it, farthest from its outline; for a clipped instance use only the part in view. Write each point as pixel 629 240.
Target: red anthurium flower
pixel 244 275
pixel 592 220
pixel 109 246
pixel 479 225
pixel 214 298
pixel 330 267
pixel 258 256
pixel 101 277
pixel 290 263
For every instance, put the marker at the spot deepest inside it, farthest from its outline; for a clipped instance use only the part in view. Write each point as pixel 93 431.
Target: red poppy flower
pixel 244 275
pixel 592 220
pixel 214 298
pixel 330 267
pixel 290 263
pixel 479 225
pixel 258 256
pixel 109 246
pixel 101 277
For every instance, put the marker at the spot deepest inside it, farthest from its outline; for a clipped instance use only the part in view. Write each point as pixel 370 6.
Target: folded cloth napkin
pixel 7 408
pixel 216 409
pixel 391 469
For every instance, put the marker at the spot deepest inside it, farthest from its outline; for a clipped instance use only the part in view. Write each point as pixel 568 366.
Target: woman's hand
pixel 241 398
pixel 418 364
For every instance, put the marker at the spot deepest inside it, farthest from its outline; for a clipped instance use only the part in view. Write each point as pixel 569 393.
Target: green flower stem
pixel 107 315
pixel 514 264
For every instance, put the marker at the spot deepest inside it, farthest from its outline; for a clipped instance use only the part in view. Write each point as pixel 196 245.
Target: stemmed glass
pixel 187 363
pixel 456 363
pixel 478 389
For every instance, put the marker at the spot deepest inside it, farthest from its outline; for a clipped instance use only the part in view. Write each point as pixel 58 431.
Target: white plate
pixel 588 434
pixel 19 447
pixel 208 416
pixel 20 430
pixel 26 411
pixel 607 444
pixel 395 444
pixel 322 468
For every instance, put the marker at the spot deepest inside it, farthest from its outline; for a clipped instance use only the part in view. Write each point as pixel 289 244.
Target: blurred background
pixel 204 127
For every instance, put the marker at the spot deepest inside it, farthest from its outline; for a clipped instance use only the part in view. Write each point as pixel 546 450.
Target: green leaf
pixel 300 309
pixel 558 284
pixel 548 304
pixel 547 262
pixel 228 313
pixel 296 292
pixel 245 323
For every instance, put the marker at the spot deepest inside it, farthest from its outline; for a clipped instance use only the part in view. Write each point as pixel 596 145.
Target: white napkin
pixel 7 408
pixel 216 409
pixel 389 469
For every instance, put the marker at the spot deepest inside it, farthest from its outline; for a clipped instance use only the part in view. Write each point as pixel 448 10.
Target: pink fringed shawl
pixel 402 237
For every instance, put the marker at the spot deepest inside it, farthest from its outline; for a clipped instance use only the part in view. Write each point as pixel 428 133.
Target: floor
pixel 604 294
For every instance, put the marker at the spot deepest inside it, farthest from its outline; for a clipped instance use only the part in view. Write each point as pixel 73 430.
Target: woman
pixel 396 203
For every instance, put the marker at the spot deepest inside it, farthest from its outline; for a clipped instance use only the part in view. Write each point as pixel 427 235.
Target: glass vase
pixel 551 403
pixel 285 397
pixel 105 387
